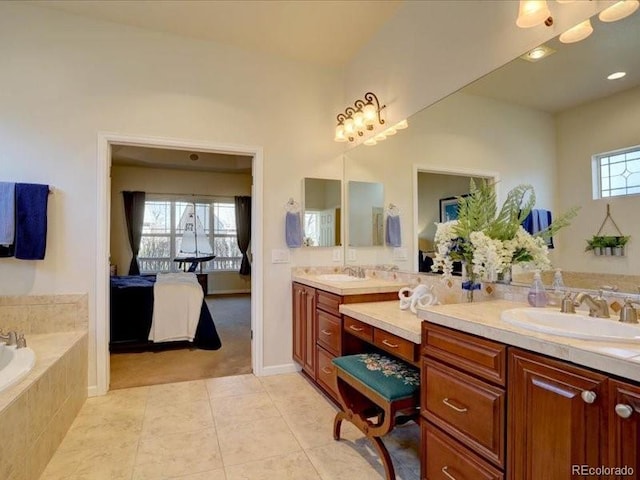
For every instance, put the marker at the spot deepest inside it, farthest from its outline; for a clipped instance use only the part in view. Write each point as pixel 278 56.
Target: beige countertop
pixel 355 287
pixel 386 316
pixel 483 319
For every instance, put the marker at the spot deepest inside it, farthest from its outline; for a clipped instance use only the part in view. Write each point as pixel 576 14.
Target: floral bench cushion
pixel 391 378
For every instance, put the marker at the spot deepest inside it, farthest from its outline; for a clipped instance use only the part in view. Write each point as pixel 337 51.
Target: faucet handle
pixel 567 304
pixel 628 313
pixel 21 342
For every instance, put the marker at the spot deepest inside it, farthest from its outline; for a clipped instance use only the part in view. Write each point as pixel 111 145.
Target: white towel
pixel 177 301
pixel 7 213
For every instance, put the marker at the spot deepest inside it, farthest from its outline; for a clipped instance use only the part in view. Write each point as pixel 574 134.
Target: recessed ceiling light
pixel 538 53
pixel 617 75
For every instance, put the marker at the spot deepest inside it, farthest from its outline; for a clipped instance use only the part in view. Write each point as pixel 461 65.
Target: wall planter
pixel 608 245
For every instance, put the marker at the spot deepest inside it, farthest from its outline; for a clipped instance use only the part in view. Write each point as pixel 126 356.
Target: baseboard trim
pixel 92 391
pixel 278 370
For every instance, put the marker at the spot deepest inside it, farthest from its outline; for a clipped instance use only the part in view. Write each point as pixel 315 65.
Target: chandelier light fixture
pixel 354 122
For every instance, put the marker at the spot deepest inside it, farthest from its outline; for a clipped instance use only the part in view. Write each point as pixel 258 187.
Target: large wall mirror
pixel 528 122
pixel 366 214
pixel 322 212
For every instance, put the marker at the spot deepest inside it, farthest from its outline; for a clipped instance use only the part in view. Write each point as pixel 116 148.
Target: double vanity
pixel 507 392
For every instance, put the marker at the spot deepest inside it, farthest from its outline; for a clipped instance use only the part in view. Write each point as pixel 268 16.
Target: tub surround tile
pixel 13 448
pixel 257 440
pixel 294 466
pixel 210 475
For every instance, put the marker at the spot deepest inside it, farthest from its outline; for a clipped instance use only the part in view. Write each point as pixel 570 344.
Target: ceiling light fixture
pixel 532 13
pixel 616 75
pixel 375 139
pixel 577 33
pixel 538 53
pixel 355 121
pixel 619 10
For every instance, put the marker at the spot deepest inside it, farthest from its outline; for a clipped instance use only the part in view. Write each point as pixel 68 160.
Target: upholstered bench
pixel 377 392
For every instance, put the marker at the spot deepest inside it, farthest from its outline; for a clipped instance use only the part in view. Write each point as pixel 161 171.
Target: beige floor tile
pixel 236 385
pixel 171 455
pixel 177 417
pixel 314 427
pixel 243 408
pixel 177 393
pixel 293 466
pixel 346 461
pixel 256 441
pixel 210 475
pixel 287 386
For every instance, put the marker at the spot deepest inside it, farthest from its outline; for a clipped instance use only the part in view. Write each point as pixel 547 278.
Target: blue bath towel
pixel 7 213
pixel 293 230
pixel 394 237
pixel 31 220
pixel 537 221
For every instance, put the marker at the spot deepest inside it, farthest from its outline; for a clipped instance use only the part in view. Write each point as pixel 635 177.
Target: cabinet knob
pixel 588 396
pixel 624 411
pixel 447 474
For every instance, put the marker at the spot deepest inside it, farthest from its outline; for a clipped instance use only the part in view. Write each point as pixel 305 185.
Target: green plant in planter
pixel 610 241
pixel 622 240
pixel 596 243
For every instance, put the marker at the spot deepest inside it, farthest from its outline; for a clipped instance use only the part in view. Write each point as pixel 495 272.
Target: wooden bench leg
pixel 337 423
pixel 385 458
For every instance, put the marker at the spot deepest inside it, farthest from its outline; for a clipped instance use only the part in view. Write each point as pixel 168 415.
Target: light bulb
pixel 370 114
pixel 577 33
pixel 349 126
pixel 358 121
pixel 616 75
pixel 340 134
pixel 619 10
pixel 532 13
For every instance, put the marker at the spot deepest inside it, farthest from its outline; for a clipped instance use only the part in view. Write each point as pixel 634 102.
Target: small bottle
pixel 537 294
pixel 557 288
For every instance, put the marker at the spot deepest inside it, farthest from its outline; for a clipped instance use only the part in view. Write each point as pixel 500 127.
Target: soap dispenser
pixel 537 294
pixel 557 288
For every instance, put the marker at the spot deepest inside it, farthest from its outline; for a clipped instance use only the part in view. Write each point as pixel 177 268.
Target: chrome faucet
pixel 11 338
pixel 598 306
pixel 354 271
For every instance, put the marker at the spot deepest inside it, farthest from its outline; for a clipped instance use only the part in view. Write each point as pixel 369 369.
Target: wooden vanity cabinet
pixel 317 330
pixel 304 327
pixel 624 427
pixel 557 417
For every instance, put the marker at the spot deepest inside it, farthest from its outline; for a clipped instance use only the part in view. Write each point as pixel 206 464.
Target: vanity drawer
pixel 470 410
pixel 326 375
pixel 329 332
pixel 358 328
pixel 393 344
pixel 442 455
pixel 328 302
pixel 475 355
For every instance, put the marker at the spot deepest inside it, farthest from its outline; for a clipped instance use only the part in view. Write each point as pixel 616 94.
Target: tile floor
pixel 229 428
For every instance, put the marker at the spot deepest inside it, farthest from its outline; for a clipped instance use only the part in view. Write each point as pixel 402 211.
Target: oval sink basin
pixel 574 325
pixel 338 277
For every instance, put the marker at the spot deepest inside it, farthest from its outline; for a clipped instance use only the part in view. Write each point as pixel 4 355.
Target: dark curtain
pixel 243 227
pixel 134 214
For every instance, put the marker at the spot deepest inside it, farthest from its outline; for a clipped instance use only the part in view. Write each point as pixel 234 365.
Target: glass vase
pixel 470 282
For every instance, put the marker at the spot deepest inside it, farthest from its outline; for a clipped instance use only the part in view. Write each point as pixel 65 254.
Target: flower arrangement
pixel 489 241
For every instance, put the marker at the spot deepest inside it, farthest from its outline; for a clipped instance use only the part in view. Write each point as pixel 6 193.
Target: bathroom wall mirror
pixel 322 212
pixel 527 122
pixel 366 214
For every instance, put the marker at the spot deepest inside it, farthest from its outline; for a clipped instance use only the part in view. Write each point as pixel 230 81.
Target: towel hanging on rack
pixel 293 224
pixel 393 235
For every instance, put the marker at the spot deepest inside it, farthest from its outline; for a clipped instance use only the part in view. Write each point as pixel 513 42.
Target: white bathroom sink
pixel 574 325
pixel 338 277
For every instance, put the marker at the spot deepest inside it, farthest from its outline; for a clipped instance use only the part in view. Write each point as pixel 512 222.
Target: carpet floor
pixel 232 317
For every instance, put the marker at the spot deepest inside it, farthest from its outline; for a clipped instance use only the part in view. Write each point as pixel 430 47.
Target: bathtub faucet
pixel 10 338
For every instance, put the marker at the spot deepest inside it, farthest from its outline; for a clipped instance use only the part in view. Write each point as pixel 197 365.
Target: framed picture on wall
pixel 449 208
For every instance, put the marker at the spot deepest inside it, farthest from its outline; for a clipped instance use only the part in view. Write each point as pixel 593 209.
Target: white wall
pixel 463 133
pixel 602 126
pixel 66 78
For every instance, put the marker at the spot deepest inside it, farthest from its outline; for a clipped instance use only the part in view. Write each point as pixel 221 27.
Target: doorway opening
pixel 180 179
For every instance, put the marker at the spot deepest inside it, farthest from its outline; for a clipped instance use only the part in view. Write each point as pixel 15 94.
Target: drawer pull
pixel 452 406
pixel 623 411
pixel 389 344
pixel 327 333
pixel 448 475
pixel 327 371
pixel 588 396
pixel 356 329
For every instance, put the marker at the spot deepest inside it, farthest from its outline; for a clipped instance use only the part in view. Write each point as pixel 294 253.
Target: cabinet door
pixel 309 364
pixel 298 323
pixel 556 417
pixel 624 429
